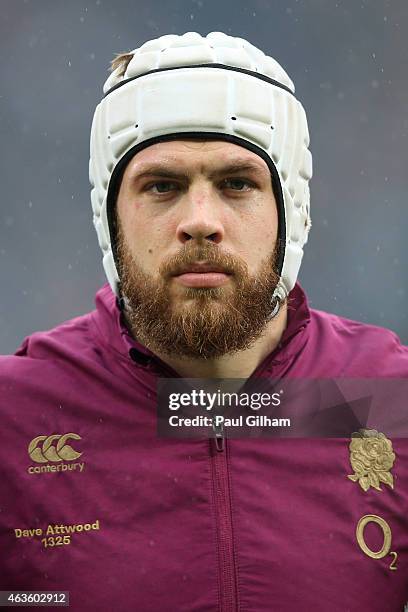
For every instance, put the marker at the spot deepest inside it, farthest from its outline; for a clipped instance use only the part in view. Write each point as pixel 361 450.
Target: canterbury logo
pixel 42 453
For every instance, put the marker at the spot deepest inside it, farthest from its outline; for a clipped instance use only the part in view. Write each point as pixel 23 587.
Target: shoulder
pixel 361 349
pixel 67 341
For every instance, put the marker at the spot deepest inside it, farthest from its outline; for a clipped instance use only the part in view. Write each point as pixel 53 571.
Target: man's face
pixel 185 202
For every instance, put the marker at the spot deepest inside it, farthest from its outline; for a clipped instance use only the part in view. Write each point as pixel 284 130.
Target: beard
pixel 196 322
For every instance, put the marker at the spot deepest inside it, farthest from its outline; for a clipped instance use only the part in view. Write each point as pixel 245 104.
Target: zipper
pixel 227 578
pixel 219 436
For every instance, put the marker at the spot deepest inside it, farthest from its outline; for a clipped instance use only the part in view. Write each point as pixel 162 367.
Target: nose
pixel 200 216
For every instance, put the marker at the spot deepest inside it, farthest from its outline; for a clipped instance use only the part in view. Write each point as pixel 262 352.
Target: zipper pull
pixel 219 436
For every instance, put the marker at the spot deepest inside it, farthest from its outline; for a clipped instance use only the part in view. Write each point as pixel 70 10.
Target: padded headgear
pixel 217 87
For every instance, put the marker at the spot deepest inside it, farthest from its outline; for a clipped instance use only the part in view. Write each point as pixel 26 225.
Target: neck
pixel 238 365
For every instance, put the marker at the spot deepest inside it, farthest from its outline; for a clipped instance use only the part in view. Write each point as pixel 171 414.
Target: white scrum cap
pixel 218 87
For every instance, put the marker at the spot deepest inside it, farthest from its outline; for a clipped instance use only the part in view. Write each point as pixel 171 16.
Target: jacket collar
pixel 115 335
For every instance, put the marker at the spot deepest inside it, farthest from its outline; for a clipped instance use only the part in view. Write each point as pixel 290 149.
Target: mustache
pixel 208 253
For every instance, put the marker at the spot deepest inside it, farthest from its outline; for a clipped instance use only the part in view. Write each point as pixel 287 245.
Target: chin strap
pixel 121 300
pixel 278 298
pixel 276 304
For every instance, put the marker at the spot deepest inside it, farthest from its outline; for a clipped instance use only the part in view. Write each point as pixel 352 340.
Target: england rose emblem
pixel 371 457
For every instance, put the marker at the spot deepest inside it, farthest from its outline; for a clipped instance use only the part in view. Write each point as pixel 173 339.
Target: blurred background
pixel 348 60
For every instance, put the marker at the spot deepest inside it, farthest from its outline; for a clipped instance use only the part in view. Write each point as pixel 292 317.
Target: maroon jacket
pixel 94 503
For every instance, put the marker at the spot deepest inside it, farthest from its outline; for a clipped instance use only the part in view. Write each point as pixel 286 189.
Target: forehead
pixel 195 154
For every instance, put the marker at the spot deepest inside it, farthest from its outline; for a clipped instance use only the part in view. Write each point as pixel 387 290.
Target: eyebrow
pixel 168 172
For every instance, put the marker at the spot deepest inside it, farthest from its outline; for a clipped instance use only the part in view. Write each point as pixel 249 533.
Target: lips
pixel 202 275
pixel 200 269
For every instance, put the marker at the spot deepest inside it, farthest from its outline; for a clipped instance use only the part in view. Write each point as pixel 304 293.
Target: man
pixel 200 168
